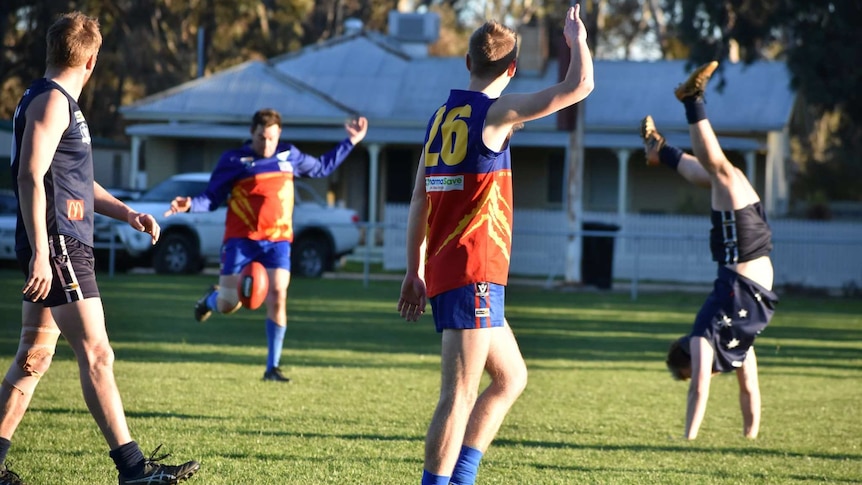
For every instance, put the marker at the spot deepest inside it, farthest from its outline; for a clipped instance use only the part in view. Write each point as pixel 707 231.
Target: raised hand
pixel 574 31
pixel 356 129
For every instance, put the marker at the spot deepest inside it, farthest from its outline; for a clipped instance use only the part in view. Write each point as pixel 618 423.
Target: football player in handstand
pixel 742 302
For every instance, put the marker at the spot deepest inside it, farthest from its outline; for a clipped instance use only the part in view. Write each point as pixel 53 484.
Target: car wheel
pixel 176 254
pixel 310 257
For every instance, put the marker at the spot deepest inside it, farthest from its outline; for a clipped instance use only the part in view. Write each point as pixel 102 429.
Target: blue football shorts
pixel 734 314
pixel 236 253
pixel 477 305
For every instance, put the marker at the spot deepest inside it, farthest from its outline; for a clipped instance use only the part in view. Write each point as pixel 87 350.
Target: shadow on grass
pixel 129 414
pixel 711 451
pixel 344 316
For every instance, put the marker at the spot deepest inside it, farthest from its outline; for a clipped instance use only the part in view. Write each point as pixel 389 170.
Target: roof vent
pixel 410 27
pixel 353 26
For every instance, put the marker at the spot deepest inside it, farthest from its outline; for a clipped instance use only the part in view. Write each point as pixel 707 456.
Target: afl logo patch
pixel 482 289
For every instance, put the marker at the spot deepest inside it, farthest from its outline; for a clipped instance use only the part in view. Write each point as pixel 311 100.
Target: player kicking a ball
pixel 742 302
pixel 258 177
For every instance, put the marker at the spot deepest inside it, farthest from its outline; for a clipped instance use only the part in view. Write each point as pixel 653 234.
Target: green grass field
pixel 599 407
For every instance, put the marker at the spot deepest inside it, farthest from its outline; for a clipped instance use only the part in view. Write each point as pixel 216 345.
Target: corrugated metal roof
pixel 414 135
pixel 234 94
pixel 368 74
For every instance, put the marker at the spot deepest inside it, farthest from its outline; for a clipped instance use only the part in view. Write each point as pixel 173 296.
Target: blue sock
pixel 695 109
pixel 275 342
pixel 466 467
pixel 429 478
pixel 212 301
pixel 670 156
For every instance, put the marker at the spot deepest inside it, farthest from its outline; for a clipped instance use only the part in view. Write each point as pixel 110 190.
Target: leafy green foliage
pixel 599 408
pixel 821 44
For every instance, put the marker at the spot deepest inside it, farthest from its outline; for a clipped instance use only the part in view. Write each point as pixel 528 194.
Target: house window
pixel 556 176
pixel 400 175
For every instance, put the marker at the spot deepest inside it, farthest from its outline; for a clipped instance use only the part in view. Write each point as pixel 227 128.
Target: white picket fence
pixel 665 248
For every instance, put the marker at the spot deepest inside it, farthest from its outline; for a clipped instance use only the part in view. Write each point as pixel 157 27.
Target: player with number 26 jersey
pixel 470 240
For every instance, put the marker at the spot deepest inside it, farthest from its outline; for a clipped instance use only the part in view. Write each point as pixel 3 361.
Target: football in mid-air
pixel 253 285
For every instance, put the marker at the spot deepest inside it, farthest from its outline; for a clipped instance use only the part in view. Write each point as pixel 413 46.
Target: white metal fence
pixel 665 248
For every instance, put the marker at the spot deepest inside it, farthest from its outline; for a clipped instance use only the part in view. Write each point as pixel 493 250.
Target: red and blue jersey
pixel 469 191
pixel 260 206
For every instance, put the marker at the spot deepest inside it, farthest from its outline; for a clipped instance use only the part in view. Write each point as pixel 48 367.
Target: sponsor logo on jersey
pixel 246 160
pixel 483 312
pixel 482 289
pixel 83 128
pixel 444 183
pixel 75 209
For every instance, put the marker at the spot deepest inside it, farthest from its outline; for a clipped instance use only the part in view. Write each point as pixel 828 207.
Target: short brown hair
pixel 72 39
pixel 493 46
pixel 679 357
pixel 265 117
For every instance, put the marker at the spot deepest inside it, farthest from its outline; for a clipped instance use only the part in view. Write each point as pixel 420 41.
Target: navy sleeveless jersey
pixel 69 179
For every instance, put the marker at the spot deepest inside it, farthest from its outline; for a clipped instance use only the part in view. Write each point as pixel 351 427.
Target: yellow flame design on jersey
pixel 241 207
pixel 491 209
pixel 283 227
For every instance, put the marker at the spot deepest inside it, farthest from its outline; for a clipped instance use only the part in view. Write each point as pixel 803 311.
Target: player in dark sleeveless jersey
pixel 459 243
pixel 742 302
pixel 52 164
pixel 258 177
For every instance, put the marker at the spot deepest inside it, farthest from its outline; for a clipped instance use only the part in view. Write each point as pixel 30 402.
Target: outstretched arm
pixel 305 165
pixel 698 391
pixel 512 109
pixel 749 395
pixel 411 303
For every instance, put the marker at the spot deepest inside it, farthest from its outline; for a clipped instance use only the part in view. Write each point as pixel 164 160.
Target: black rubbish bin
pixel 597 255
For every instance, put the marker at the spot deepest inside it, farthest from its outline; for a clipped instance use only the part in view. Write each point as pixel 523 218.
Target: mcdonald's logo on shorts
pixel 75 209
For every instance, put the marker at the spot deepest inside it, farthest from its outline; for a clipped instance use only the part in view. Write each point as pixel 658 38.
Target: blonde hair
pixel 72 39
pixel 493 46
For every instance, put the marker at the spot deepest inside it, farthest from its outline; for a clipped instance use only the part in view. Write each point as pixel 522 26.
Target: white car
pixel 322 234
pixel 8 217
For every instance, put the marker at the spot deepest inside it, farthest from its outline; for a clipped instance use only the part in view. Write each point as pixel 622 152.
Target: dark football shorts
pixel 734 314
pixel 236 253
pixel 73 266
pixel 477 305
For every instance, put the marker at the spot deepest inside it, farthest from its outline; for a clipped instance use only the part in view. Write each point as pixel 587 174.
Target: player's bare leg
pixel 508 374
pixel 83 325
pixel 228 296
pixel 276 299
pixel 463 358
pixel 39 335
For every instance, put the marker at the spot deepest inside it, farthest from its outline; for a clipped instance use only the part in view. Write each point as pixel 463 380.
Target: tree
pixel 821 44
